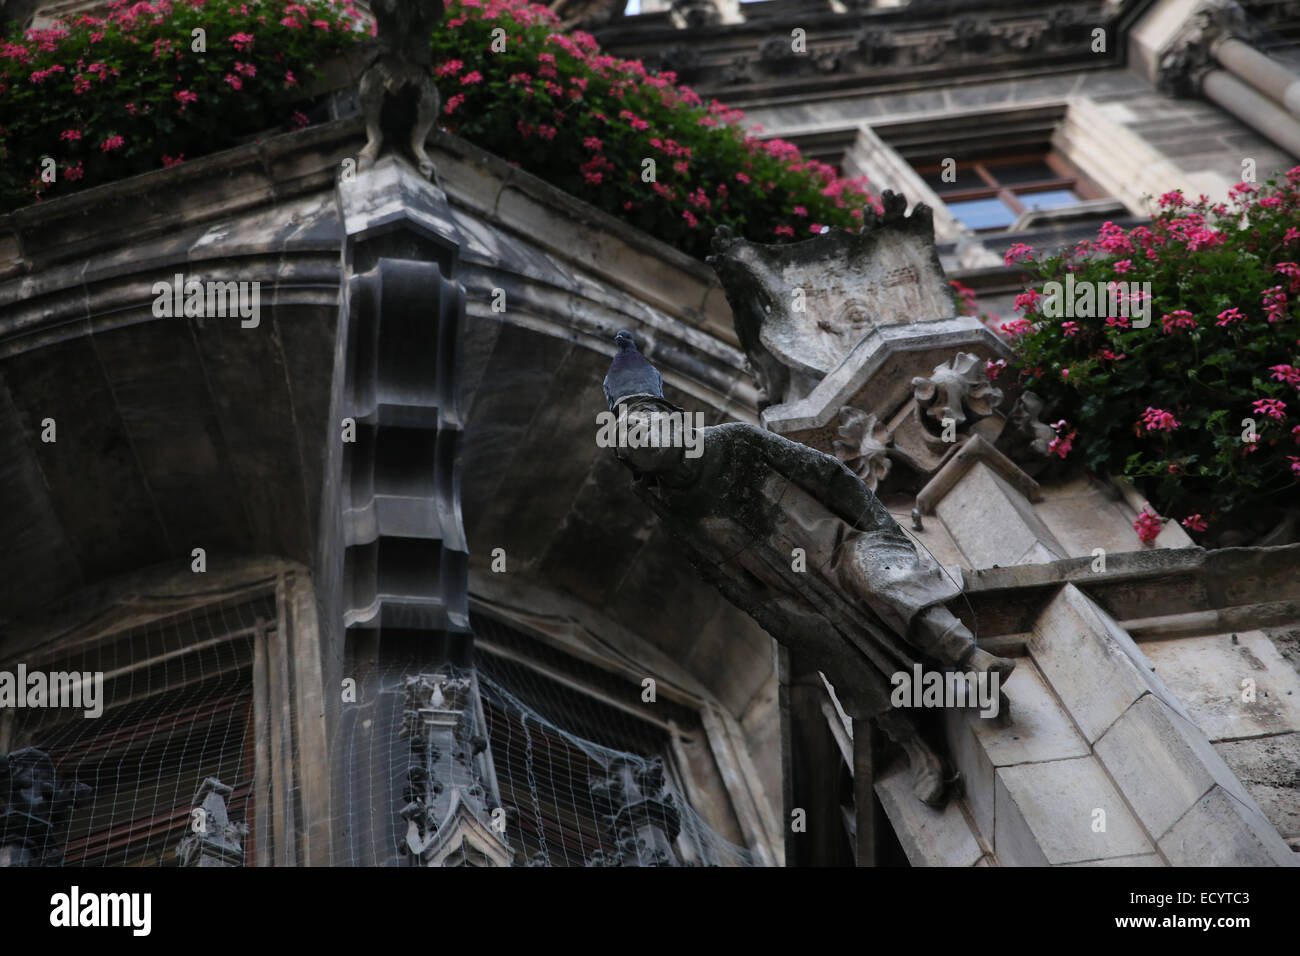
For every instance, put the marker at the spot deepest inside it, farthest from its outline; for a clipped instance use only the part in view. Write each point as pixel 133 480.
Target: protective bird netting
pixel 196 754
pixel 558 783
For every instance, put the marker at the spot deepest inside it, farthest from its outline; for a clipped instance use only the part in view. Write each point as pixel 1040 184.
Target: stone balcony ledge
pixel 1158 592
pixel 71 230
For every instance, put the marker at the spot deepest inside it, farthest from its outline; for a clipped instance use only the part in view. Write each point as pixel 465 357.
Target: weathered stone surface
pixel 959 391
pixel 1092 665
pixel 402 65
pixel 933 536
pixel 1046 813
pixel 1222 831
pixel 978 779
pixel 847 283
pixel 929 837
pixel 977 450
pixel 1162 764
pixel 1207 674
pixel 1086 522
pixel 1269 767
pixel 1144 859
pixel 877 372
pixel 861 607
pixel 981 499
pixel 1039 731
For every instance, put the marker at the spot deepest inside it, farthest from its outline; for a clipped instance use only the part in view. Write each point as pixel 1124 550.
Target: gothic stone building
pixel 363 589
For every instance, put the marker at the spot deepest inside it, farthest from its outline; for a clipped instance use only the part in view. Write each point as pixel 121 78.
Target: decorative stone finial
pixel 403 65
pixel 213 839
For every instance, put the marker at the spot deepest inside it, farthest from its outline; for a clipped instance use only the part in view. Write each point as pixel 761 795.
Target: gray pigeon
pixel 630 374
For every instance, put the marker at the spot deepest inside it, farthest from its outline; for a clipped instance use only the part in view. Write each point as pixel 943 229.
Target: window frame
pixel 289 805
pixel 985 167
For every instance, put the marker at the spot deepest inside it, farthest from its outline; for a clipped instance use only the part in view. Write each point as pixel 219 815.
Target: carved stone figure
pixel 447 813
pixel 33 802
pixel 643 820
pixel 214 839
pixel 1027 440
pixel 403 64
pixel 862 606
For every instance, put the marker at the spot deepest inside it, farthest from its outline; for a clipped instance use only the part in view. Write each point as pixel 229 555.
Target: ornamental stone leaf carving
pixel 863 445
pixel 959 390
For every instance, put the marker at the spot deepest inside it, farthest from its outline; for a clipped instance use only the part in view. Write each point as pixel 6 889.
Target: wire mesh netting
pixel 553 781
pixel 568 768
pixel 177 708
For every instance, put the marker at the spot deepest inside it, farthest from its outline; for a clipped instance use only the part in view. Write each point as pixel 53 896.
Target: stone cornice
pixel 39 243
pixel 874 48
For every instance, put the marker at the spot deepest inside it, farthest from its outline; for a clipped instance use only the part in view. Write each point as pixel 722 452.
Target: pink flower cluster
pixel 1018 252
pixel 1290 269
pixel 1286 373
pixel 1064 440
pixel 1274 408
pixel 1274 300
pixel 1148 525
pixel 1157 420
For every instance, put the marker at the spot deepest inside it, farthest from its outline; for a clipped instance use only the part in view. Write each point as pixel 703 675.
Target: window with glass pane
pixel 990 193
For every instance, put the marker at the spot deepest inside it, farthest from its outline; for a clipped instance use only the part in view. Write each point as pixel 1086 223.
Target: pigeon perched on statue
pixel 630 373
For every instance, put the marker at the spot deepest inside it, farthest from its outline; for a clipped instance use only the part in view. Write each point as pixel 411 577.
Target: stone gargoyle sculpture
pixel 403 64
pixel 862 606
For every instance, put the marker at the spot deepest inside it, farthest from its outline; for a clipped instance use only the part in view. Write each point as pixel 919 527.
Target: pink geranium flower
pixel 1286 373
pixel 1181 319
pixel 1158 420
pixel 1064 440
pixel 1148 525
pixel 1274 408
pixel 1019 251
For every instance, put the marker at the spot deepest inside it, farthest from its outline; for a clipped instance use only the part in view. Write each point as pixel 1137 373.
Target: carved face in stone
pixel 853 315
